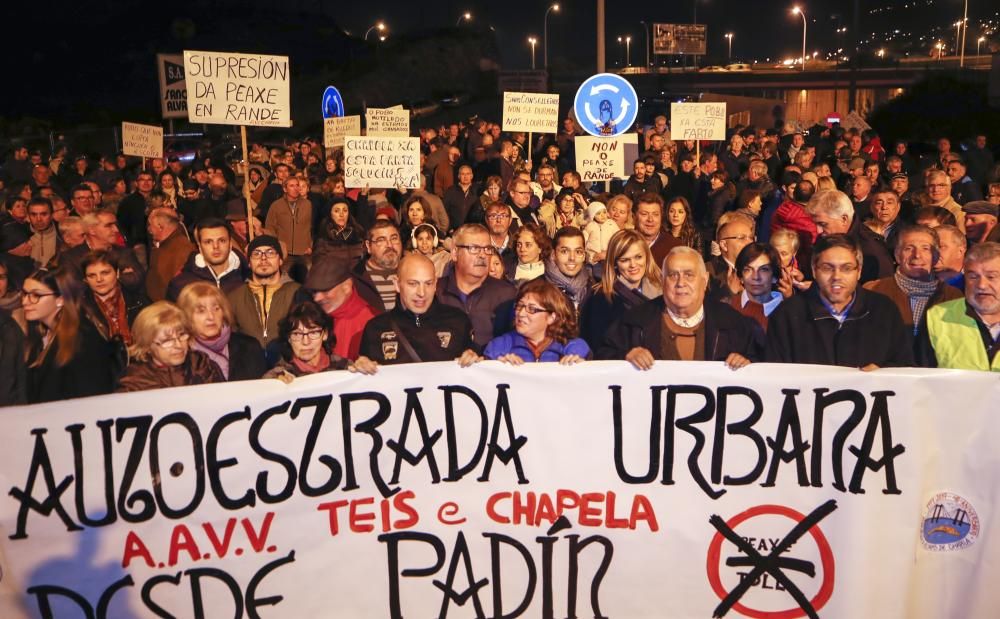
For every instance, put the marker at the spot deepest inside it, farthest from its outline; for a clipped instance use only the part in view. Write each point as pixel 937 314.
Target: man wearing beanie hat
pixel 981 221
pixel 262 303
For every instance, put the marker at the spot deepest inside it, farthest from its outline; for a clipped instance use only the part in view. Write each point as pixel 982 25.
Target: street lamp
pixel 940 49
pixel 979 42
pixel 958 36
pixel 797 11
pixel 464 16
pixel 532 41
pixel 545 34
pixel 645 33
pixel 628 51
pixel 380 26
pixel 881 53
pixel 729 36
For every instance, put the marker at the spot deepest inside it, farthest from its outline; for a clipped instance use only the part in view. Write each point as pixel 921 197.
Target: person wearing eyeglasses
pixel 486 300
pixel 735 232
pixel 162 354
pixel 263 301
pixel 307 335
pixel 375 277
pixel 66 356
pixel 836 321
pixel 545 329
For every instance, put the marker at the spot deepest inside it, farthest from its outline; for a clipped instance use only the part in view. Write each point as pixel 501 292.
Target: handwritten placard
pixel 602 159
pixel 529 111
pixel 698 121
pixel 388 122
pixel 385 162
pixel 227 88
pixel 142 140
pixel 335 129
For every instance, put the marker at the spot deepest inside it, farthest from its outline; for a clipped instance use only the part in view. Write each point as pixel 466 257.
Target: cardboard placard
pixel 531 112
pixel 383 162
pixel 227 88
pixel 603 159
pixel 387 122
pixel 698 121
pixel 142 140
pixel 335 129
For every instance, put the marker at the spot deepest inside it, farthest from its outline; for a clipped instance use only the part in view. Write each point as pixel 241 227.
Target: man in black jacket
pixel 682 325
pixel 419 328
pixel 837 322
pixel 216 262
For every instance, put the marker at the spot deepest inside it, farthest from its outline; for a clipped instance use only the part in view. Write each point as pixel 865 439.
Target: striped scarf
pixel 919 293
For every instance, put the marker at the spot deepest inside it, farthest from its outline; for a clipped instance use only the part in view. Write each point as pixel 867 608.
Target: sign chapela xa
pixel 497 491
pixel 228 88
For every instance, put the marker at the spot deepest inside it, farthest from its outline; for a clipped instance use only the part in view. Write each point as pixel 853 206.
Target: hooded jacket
pixel 197 270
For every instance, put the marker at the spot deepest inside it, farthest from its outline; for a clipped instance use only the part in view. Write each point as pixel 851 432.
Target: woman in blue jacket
pixel 545 329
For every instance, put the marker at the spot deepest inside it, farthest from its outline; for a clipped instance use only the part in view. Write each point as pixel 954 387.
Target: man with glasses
pixel 263 301
pixel 501 229
pixel 523 201
pixel 836 321
pixel 487 301
pixel 682 325
pixel 735 232
pixel 939 194
pixel 420 328
pixel 83 200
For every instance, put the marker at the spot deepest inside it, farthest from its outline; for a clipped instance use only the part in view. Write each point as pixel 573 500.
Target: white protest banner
pixel 854 121
pixel 430 490
pixel 603 159
pixel 227 88
pixel 698 121
pixel 173 88
pixel 335 129
pixel 531 112
pixel 382 162
pixel 142 140
pixel 387 122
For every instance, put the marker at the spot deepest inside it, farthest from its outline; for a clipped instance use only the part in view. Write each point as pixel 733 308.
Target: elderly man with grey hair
pixel 833 213
pixel 682 325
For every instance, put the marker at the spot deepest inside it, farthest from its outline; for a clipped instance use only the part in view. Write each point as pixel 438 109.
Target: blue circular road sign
pixel 606 105
pixel 333 103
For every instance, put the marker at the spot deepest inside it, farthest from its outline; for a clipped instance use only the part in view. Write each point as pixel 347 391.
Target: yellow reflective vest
pixel 956 339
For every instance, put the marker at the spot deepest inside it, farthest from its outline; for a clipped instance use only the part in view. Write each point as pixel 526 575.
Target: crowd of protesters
pixel 823 247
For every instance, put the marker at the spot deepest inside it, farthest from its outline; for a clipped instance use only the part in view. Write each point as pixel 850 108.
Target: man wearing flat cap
pixel 331 284
pixel 981 221
pixel 263 301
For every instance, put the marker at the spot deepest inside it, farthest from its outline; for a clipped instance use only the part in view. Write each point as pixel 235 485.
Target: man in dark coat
pixel 682 325
pixel 837 322
pixel 833 213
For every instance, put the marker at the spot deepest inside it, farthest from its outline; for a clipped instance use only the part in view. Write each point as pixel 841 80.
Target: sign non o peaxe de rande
pixel 698 121
pixel 229 88
pixel 603 159
pixel 142 140
pixel 433 491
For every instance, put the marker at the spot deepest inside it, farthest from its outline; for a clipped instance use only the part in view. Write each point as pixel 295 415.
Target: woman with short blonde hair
pixel 210 317
pixel 162 355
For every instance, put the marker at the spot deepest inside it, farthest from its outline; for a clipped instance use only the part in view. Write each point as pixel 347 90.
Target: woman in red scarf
pixel 307 332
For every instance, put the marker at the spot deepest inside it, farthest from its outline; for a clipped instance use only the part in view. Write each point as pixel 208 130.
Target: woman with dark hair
pixel 545 329
pixel 340 235
pixel 307 334
pixel 532 248
pixel 424 240
pixel 680 224
pixel 720 197
pixel 171 187
pixel 568 211
pixel 758 266
pixel 492 193
pixel 162 355
pixel 208 312
pixel 66 356
pixel 631 277
pixel 416 211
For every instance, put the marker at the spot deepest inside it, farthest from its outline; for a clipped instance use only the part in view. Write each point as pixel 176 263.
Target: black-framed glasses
pixel 309 336
pixel 35 297
pixel 263 253
pixel 531 309
pixel 475 250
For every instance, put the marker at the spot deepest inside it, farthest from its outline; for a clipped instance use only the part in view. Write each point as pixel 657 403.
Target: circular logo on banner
pixel 949 523
pixel 606 105
pixel 769 556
